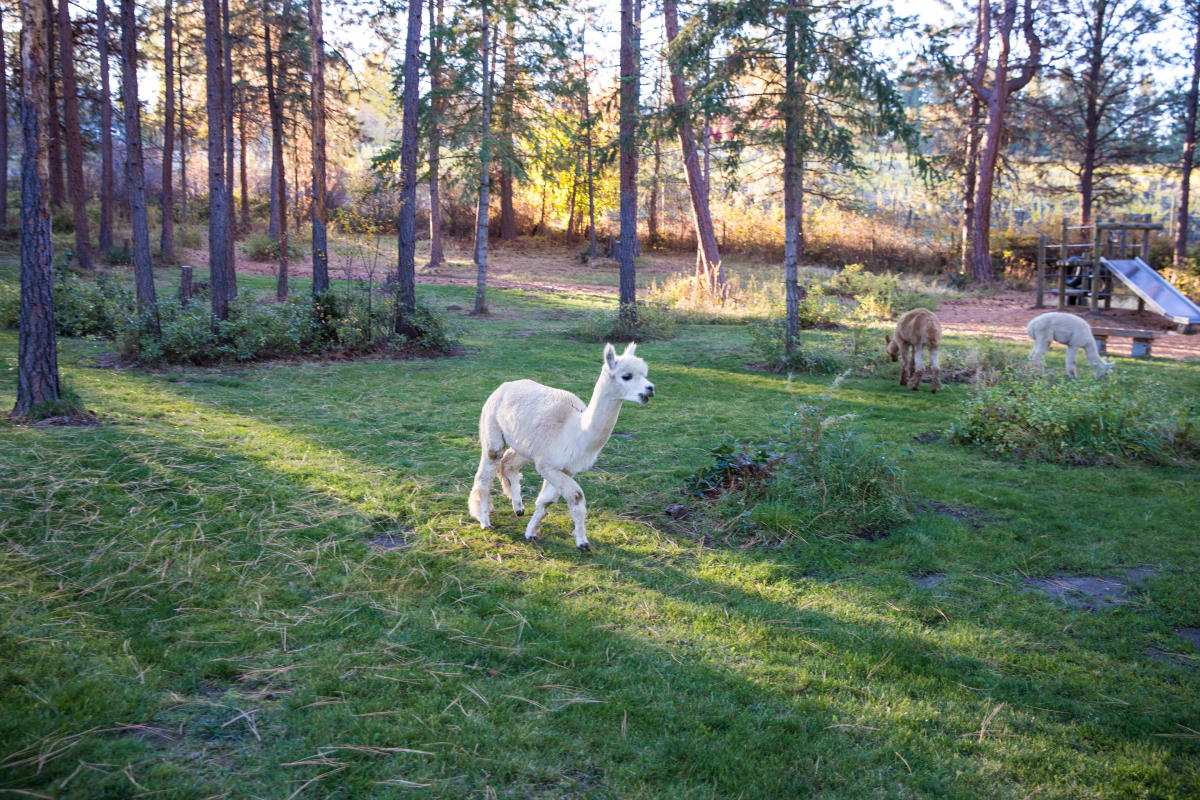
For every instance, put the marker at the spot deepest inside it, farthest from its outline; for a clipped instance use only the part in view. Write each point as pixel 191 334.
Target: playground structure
pixel 1088 271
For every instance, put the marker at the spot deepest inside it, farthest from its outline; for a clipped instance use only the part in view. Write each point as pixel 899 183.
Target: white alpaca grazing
pixel 1068 329
pixel 553 430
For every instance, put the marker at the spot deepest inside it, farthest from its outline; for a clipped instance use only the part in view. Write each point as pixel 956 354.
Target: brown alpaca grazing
pixel 916 330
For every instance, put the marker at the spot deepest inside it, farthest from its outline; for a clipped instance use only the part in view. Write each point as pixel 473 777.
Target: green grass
pixel 189 605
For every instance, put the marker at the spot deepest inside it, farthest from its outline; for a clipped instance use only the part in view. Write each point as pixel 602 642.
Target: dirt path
pixel 538 267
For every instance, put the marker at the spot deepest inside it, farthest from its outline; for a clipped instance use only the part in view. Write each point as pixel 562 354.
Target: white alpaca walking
pixel 553 430
pixel 1068 329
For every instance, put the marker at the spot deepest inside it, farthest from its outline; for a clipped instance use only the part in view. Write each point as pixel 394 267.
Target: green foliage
pixel 768 340
pixel 263 247
pixel 62 222
pixel 653 322
pixel 86 307
pixel 815 478
pixel 68 404
pixel 1079 422
pixel 10 305
pixel 190 237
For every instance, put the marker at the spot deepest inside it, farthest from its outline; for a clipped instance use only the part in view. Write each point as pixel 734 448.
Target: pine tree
pixel 135 176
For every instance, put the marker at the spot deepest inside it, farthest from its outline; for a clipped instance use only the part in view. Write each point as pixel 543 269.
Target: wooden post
pixel 1093 277
pixel 1041 270
pixel 185 286
pixel 1146 233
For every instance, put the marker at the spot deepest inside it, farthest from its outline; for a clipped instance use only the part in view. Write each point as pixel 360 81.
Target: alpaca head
pixel 893 347
pixel 625 375
pixel 1103 367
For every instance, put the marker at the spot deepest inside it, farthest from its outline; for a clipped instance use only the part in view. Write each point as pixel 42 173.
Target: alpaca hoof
pixel 584 548
pixel 532 539
pixel 520 512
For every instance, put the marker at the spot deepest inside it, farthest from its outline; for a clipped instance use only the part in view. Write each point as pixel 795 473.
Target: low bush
pixel 815 478
pixel 10 305
pixel 1081 422
pixel 263 247
pixel 190 237
pixel 983 362
pixel 827 357
pixel 653 322
pixel 84 307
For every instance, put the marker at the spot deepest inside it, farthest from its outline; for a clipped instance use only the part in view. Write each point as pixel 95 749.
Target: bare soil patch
pixel 1091 592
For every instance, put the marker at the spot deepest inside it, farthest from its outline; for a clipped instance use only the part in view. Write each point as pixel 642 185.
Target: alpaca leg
pixel 510 478
pixel 1071 351
pixel 918 370
pixel 573 494
pixel 905 363
pixel 545 497
pixel 934 352
pixel 480 502
pixel 1039 351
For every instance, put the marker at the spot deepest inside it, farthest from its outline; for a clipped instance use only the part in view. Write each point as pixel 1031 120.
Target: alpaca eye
pixel 627 376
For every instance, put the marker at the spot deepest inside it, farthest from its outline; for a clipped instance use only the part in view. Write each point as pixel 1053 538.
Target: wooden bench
pixel 1141 340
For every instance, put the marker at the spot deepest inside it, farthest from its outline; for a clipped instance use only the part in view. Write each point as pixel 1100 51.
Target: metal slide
pixel 1160 296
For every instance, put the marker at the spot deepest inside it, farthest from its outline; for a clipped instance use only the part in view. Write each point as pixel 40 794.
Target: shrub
pixel 653 322
pixel 62 222
pixel 816 478
pixel 984 362
pixel 189 237
pixel 263 247
pixel 10 305
pixel 768 340
pixel 84 307
pixel 1078 422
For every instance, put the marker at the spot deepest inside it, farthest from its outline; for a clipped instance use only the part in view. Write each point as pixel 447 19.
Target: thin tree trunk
pixel 58 193
pixel 3 127
pixel 227 43
pixel 970 171
pixel 708 256
pixel 319 249
pixel 571 204
pixel 485 157
pixel 106 148
pixel 74 137
pixel 793 128
pixel 167 239
pixel 1091 115
pixel 218 210
pixel 406 262
pixel 628 129
pixel 183 183
pixel 587 141
pixel 135 176
pixel 436 253
pixel 242 167
pixel 37 348
pixel 1187 160
pixel 278 224
pixel 508 214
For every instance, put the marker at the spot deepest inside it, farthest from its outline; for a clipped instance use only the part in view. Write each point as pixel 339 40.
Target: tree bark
pixel 3 127
pixel 485 158
pixel 508 214
pixel 242 167
pixel 708 261
pixel 74 136
pixel 218 210
pixel 106 148
pixel 57 191
pixel 571 204
pixel 792 159
pixel 1187 159
pixel 183 182
pixel 1091 116
pixel 278 224
pixel 135 177
pixel 628 130
pixel 995 103
pixel 587 143
pixel 436 253
pixel 320 253
pixel 37 349
pixel 406 260
pixel 227 98
pixel 970 172
pixel 167 238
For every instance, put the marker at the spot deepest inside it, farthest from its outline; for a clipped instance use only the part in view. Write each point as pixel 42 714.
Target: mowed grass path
pixel 190 606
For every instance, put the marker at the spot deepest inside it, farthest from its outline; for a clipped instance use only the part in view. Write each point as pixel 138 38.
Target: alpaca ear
pixel 629 350
pixel 610 356
pixel 887 339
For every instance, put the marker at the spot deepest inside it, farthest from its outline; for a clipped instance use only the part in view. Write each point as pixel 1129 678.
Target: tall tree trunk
pixel 218 210
pixel 406 261
pixel 58 193
pixel 571 204
pixel 320 253
pixel 1187 160
pixel 242 167
pixel 436 253
pixel 628 130
pixel 1091 115
pixel 708 258
pixel 227 98
pixel 278 224
pixel 183 183
pixel 135 176
pixel 970 171
pixel 3 127
pixel 167 239
pixel 74 137
pixel 995 103
pixel 792 161
pixel 485 158
pixel 587 143
pixel 106 148
pixel 37 349
pixel 508 214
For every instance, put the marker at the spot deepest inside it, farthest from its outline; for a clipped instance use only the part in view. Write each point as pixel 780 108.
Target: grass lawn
pixel 191 605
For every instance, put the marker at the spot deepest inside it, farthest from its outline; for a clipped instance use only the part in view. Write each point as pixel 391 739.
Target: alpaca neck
pixel 600 417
